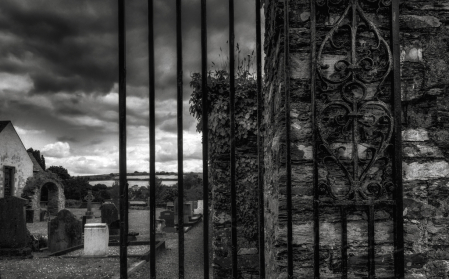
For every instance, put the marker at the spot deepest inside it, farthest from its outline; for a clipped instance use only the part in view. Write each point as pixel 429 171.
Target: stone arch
pixel 48 197
pixel 45 181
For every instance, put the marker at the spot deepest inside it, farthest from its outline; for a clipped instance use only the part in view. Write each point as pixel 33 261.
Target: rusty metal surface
pixel 356 116
pixel 122 141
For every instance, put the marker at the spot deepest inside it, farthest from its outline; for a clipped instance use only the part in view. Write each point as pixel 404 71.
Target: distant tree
pixel 100 192
pixel 191 180
pixel 60 171
pixel 104 195
pixel 37 155
pixel 76 188
pixel 170 194
pixel 194 194
pixel 114 191
pixel 99 187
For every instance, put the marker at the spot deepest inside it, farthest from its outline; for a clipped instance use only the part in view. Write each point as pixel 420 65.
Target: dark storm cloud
pixel 66 52
pixel 63 45
pixel 72 45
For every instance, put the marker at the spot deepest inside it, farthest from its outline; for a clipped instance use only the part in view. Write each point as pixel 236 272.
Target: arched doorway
pixel 49 197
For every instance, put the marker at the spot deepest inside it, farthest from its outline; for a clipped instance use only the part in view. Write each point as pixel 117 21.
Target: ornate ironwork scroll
pixel 354 121
pixel 356 112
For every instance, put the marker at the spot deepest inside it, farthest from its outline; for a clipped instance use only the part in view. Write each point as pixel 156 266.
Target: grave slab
pixel 96 239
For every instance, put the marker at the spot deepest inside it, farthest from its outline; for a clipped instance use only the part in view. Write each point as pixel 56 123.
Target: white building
pixel 16 165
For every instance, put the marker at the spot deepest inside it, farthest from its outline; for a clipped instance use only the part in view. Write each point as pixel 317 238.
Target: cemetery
pixel 72 236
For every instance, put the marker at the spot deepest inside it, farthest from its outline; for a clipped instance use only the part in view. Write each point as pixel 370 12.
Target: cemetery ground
pixel 77 268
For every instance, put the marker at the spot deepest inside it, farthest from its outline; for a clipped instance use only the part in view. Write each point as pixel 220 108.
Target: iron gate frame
pixel 398 224
pixel 122 139
pixel 397 153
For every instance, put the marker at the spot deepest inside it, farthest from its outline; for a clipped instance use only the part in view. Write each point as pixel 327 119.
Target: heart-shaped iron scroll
pixel 358 139
pixel 354 125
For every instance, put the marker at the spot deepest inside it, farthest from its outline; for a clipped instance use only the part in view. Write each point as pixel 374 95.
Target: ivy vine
pixel 219 143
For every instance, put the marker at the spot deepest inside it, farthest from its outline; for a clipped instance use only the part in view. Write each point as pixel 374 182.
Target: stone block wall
pixel 424 27
pixel 424 34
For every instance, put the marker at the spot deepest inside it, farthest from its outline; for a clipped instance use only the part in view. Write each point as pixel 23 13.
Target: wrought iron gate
pixel 356 118
pixel 122 139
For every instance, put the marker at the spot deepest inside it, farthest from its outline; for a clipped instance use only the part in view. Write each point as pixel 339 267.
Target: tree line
pixel 75 188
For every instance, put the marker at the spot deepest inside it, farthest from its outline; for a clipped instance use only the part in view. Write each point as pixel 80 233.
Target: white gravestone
pixel 199 209
pixel 96 238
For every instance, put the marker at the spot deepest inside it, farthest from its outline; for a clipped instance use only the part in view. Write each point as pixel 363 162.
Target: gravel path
pixel 167 260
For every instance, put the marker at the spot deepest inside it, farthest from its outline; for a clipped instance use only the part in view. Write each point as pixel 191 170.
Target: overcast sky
pixel 59 74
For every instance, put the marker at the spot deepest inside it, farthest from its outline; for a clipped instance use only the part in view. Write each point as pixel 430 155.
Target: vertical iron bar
pixel 152 135
pixel 180 138
pixel 316 220
pixel 397 166
pixel 259 143
pixel 344 243
pixel 122 142
pixel 232 140
pixel 205 130
pixel 371 266
pixel 287 140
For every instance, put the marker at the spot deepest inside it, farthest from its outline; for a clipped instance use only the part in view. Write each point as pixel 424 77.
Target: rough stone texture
pixel 424 24
pixel 221 215
pixel 33 189
pixel 64 231
pixel 424 34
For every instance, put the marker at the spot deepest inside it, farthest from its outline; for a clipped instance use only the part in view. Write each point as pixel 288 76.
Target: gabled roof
pixel 3 124
pixel 36 166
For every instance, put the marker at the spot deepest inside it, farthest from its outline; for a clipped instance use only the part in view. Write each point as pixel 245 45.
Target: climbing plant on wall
pixel 219 141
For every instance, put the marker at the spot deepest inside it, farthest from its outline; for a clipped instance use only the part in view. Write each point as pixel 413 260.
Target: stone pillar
pixel 424 33
pixel 425 98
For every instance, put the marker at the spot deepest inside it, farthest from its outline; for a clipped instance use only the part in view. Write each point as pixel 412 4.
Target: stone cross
pixel 88 198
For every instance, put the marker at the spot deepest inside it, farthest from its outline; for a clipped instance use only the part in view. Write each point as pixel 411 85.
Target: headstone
pixel 199 209
pixel 109 213
pixel 169 217
pixel 96 239
pixel 13 230
pixel 64 231
pixel 89 197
